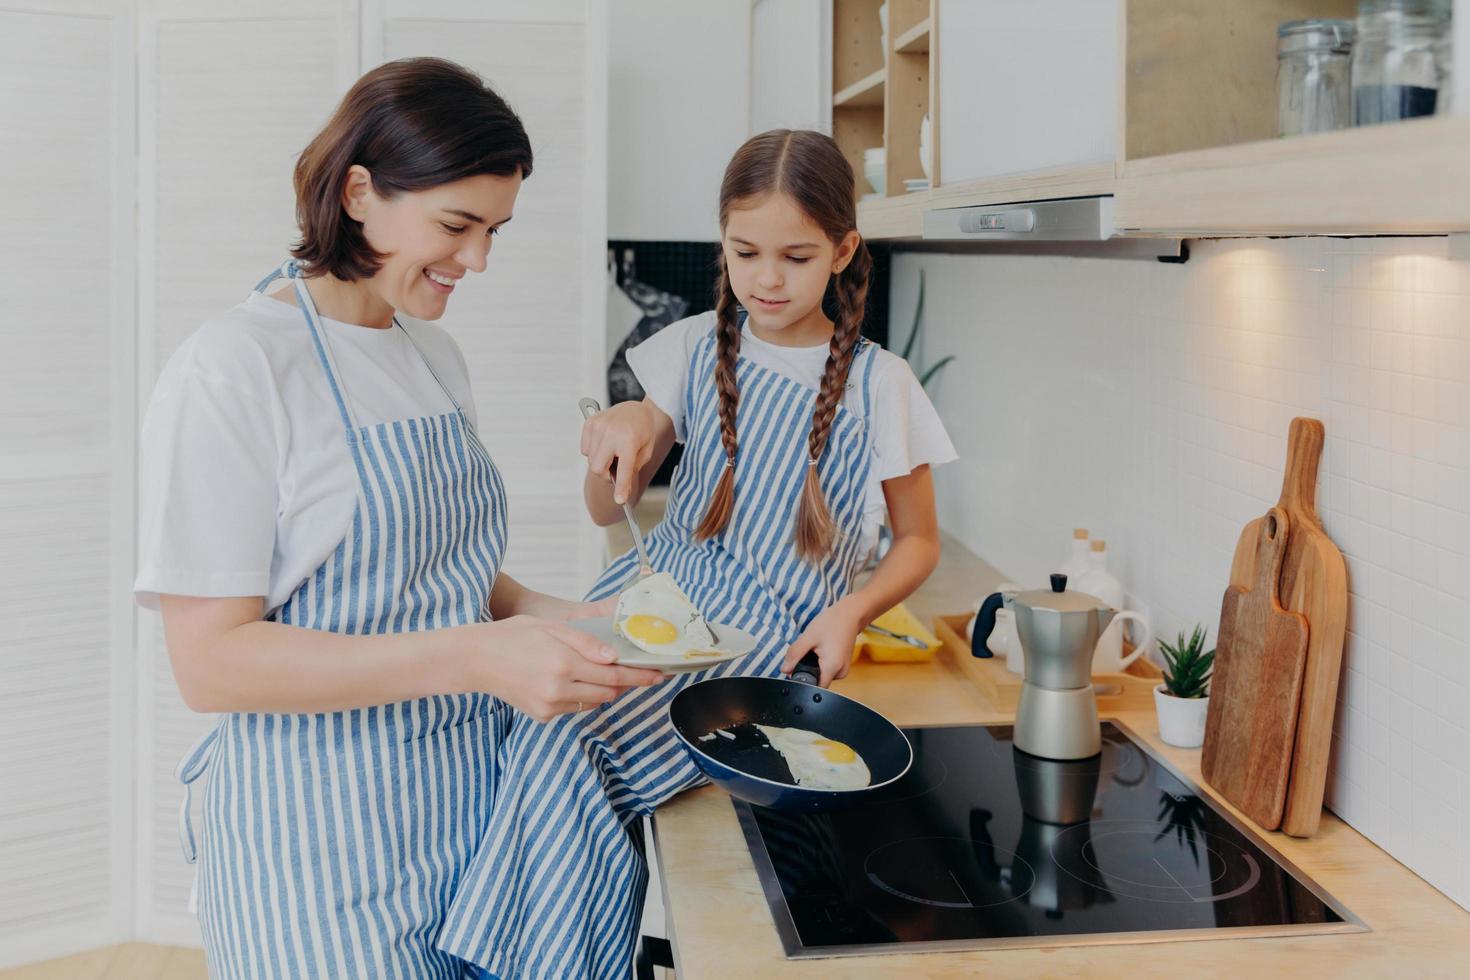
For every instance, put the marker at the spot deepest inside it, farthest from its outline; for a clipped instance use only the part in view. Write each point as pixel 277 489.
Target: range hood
pixel 1069 226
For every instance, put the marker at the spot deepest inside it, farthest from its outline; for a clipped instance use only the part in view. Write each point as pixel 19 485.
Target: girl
pixel 797 434
pixel 322 531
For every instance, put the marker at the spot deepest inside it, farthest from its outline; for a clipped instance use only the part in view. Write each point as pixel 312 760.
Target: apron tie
pixel 191 768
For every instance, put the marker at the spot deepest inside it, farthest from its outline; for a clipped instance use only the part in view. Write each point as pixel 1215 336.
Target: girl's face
pixel 779 261
pixel 430 238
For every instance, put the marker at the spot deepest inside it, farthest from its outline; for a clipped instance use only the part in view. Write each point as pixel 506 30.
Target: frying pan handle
pixel 808 669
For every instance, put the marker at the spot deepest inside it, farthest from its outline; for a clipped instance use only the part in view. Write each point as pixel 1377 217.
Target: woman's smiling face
pixel 430 238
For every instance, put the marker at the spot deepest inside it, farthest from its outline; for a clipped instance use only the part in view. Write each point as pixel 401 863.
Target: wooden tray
pixel 1131 690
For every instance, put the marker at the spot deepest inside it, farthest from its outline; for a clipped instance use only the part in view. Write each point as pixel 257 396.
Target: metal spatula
pixel 590 407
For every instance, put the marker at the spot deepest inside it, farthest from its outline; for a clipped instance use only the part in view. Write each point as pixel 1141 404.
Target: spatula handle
pixel 590 407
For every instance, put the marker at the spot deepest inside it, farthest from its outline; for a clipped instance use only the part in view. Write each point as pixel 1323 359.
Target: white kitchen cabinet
pixel 1026 86
pixel 788 86
pixel 679 99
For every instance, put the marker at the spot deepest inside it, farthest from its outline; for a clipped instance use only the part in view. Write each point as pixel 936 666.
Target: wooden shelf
pixel 864 92
pixel 1201 73
pixel 902 216
pixel 1406 177
pixel 915 40
pixel 1041 185
pixel 893 217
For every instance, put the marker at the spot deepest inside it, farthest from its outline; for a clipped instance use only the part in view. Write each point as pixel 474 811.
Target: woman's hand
pixel 617 444
pixel 832 635
pixel 546 668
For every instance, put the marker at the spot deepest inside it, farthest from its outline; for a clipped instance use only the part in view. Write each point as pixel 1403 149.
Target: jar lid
pixel 1321 32
pixel 1433 9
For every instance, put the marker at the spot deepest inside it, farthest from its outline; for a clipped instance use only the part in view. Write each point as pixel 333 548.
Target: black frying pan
pixel 748 768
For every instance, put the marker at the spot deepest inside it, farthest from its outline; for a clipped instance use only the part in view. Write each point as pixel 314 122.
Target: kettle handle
pixel 1148 635
pixel 984 625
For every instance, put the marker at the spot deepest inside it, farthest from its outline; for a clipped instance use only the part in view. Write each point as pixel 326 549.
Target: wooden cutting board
pixel 1260 656
pixel 1314 583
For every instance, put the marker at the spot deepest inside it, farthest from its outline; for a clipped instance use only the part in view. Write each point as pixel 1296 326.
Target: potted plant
pixel 1183 699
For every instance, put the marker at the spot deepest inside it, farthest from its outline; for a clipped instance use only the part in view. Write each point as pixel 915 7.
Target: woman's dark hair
pixel 414 123
pixel 809 168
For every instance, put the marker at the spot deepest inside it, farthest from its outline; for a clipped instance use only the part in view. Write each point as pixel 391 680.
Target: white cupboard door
pixel 230 91
pixel 1026 86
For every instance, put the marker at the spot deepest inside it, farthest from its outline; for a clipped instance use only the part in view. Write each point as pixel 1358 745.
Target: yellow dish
pixel 885 649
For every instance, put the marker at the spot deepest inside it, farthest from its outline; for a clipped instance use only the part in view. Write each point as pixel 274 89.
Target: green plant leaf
pixel 908 347
pixel 1188 670
pixel 924 379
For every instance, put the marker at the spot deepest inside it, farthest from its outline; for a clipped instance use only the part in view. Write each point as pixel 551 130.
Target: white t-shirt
pixel 907 432
pixel 246 482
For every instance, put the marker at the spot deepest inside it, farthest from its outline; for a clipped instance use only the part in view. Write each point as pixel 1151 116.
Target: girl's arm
pixel 629 440
pixel 909 561
pixel 227 658
pixel 511 598
pixel 915 550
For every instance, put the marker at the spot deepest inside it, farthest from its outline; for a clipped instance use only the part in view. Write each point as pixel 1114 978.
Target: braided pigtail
pixel 816 532
pixel 727 349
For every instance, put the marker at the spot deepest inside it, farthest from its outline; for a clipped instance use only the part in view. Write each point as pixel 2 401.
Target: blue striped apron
pixel 557 887
pixel 332 843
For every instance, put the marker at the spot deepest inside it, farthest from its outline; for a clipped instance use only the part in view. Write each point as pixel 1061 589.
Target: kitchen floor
pixel 130 961
pixel 133 961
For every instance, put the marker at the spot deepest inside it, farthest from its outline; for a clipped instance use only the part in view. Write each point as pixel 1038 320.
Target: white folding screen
pixel 152 143
pixel 66 285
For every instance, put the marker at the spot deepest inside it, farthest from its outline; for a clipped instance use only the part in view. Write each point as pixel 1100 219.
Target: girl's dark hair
pixel 414 123
pixel 807 167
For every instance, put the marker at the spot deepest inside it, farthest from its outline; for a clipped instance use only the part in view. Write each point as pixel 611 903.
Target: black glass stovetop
pixel 981 845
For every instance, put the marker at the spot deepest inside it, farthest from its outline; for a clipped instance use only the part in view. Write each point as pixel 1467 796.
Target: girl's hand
pixel 617 442
pixel 832 635
pixel 546 668
pixel 601 609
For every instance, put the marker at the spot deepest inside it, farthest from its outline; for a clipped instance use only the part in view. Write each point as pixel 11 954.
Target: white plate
pixel 733 643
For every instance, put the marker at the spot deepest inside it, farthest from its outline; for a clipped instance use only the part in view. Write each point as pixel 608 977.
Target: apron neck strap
pixel 289 270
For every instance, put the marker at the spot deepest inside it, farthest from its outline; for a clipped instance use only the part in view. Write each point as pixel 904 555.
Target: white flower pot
pixel 1181 720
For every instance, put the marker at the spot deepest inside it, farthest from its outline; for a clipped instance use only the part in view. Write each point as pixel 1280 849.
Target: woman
pixel 322 532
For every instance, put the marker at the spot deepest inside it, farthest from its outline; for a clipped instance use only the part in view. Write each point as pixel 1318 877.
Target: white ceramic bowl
pixel 924 135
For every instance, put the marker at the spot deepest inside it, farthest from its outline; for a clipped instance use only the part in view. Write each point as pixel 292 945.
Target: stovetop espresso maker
pixel 1057 714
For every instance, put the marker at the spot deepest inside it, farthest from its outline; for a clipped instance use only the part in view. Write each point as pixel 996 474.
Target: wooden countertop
pixel 720 925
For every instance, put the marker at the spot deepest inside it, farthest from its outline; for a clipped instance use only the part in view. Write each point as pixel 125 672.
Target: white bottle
pixel 1076 566
pixel 1097 582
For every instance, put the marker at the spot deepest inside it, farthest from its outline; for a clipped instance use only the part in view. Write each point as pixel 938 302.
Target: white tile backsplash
pixel 1150 404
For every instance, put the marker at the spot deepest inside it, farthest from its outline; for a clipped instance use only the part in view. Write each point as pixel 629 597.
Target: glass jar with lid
pixel 1401 60
pixel 1313 61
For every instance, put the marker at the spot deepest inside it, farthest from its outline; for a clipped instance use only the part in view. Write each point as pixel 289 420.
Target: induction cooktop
pixel 983 846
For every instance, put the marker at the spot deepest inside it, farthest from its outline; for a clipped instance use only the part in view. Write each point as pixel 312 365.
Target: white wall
pixel 1150 403
pixel 678 107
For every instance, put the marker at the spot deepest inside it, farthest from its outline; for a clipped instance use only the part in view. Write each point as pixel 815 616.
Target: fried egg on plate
pixel 654 615
pixel 817 762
